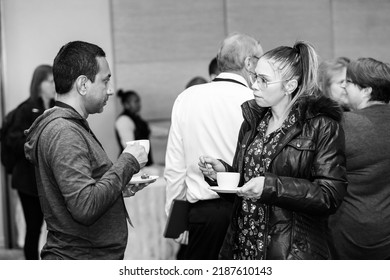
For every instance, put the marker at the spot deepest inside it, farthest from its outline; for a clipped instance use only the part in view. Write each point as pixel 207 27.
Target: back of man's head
pixel 234 49
pixel 213 68
pixel 75 59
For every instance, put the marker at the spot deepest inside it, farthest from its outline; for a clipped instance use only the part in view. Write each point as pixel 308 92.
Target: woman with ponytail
pixel 290 154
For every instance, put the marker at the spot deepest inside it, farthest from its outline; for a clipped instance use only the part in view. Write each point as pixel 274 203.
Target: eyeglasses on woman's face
pixel 262 82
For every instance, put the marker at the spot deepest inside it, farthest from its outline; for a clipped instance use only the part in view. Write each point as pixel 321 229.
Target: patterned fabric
pixel 251 240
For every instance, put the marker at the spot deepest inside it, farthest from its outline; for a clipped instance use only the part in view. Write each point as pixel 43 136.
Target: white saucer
pixel 139 180
pixel 222 190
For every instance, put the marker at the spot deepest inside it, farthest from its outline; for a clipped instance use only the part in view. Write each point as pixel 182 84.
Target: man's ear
pixel 291 86
pixel 367 92
pixel 82 84
pixel 248 63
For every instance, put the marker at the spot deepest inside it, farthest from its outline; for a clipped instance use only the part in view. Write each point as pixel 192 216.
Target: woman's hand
pixel 183 238
pixel 210 166
pixel 253 188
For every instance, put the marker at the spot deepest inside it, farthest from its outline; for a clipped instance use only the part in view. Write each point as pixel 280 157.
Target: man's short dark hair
pixel 75 59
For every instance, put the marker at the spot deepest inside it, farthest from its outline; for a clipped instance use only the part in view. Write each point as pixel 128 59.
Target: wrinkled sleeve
pixel 69 157
pixel 175 167
pixel 322 194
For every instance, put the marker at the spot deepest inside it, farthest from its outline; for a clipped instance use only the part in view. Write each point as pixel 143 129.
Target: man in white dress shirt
pixel 205 121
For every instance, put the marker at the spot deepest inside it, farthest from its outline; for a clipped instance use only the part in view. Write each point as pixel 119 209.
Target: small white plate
pixel 222 190
pixel 139 180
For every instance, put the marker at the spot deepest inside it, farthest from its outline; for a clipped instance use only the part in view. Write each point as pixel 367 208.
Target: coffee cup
pixel 144 143
pixel 228 180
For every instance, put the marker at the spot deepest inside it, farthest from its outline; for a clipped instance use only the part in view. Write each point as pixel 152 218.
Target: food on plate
pixel 145 176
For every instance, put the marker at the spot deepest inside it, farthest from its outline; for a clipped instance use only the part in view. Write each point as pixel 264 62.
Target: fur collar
pixel 315 105
pixel 308 107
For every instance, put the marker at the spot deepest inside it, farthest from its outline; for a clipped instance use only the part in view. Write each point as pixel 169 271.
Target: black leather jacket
pixel 305 183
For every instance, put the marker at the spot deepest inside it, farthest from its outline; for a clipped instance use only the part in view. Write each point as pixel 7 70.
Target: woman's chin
pixel 260 101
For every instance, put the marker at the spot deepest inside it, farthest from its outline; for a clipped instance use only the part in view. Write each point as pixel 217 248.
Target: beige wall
pixel 157 46
pixel 34 31
pixel 160 45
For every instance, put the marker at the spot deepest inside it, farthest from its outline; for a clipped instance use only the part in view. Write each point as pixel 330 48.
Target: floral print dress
pixel 251 238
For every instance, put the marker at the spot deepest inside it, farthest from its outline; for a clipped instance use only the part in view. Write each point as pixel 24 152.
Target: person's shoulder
pixel 195 89
pixel 356 115
pixel 351 115
pixel 61 131
pixel 319 106
pixel 124 120
pixel 357 119
pixel 22 113
pixel 58 118
pixel 188 93
pixel 24 106
pixel 59 124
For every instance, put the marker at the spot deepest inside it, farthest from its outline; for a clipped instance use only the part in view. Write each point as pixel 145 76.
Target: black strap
pixel 228 80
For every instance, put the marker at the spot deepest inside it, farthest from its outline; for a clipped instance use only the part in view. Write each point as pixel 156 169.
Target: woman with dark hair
pixel 361 227
pixel 129 125
pixel 42 93
pixel 290 154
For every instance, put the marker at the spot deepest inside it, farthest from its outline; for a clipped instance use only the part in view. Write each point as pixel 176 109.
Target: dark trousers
pixel 34 220
pixel 208 223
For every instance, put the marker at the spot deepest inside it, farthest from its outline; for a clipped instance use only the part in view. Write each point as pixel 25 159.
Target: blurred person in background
pixel 361 226
pixel 206 119
pixel 290 154
pixel 331 79
pixel 42 93
pixel 129 125
pixel 197 80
